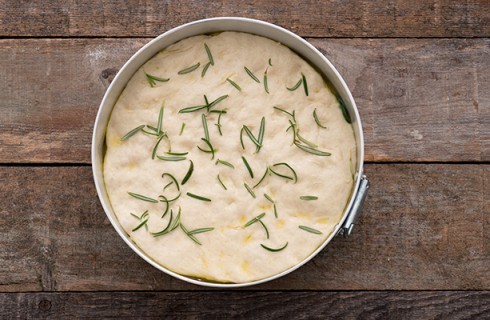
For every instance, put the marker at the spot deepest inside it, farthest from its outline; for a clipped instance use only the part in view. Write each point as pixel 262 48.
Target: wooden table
pixel 420 73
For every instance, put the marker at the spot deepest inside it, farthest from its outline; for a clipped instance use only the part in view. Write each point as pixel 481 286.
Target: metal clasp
pixel 354 212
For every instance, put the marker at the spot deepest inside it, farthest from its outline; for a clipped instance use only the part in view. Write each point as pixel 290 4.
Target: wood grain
pixel 424 227
pixel 332 18
pixel 246 305
pixel 420 99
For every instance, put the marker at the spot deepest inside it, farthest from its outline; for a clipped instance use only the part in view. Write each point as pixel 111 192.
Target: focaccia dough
pixel 230 252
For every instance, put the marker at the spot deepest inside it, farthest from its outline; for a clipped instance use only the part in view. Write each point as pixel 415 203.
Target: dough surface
pixel 230 252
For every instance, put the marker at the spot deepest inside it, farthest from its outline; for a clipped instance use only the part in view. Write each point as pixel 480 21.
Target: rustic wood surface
pixel 250 305
pixel 419 99
pixel 420 74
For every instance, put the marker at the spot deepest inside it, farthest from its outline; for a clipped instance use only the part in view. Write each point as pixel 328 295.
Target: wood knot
pixel 45 305
pixel 107 75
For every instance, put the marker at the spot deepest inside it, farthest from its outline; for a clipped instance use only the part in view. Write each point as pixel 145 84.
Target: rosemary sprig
pixel 152 79
pixel 295 176
pixel 345 113
pixel 141 197
pixel 292 115
pixel 222 184
pixel 273 203
pixel 166 229
pixel 233 83
pixel 296 86
pixel 166 200
pixel 315 116
pixel 160 138
pixel 172 178
pixel 251 75
pixel 305 84
pixel 251 136
pixel 272 249
pixel 210 56
pixel 211 149
pixel 167 206
pixel 252 193
pixel 215 102
pixel 205 69
pixel 248 167
pixel 257 218
pixel 189 235
pixel 173 158
pixel 266 86
pixel 143 215
pixel 132 132
pixel 189 69
pixel 312 150
pixel 267 171
pixel 182 128
pixel 226 163
pixel 189 172
pixel 195 196
pixel 305 228
pixel 308 198
pixel 141 224
pixel 205 126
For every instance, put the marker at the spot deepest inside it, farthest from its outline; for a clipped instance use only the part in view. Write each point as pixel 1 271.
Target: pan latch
pixel 354 212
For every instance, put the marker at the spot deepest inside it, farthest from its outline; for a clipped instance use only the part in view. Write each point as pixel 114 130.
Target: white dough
pixel 229 253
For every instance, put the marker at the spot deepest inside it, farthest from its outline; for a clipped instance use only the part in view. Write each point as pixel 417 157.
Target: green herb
pixel 308 143
pixel 160 120
pixel 248 167
pixel 167 206
pixel 150 133
pixel 211 149
pixel 310 229
pixel 153 128
pixel 251 75
pixel 305 84
pixel 257 218
pixel 189 172
pixel 176 158
pixel 166 229
pixel 296 86
pixel 205 126
pixel 210 56
pixel 261 133
pixel 195 196
pixel 265 228
pixel 241 138
pixel 292 115
pixel 151 79
pixel 268 198
pixel 270 62
pixel 219 123
pixel 295 177
pixel 201 230
pixel 167 185
pixel 274 250
pixel 189 235
pixel 267 171
pixel 154 152
pixel 177 153
pixel 189 69
pixel 173 179
pixel 205 69
pixel 166 200
pixel 132 132
pixel 141 224
pixel 345 113
pixel 315 116
pixel 252 193
pixel 182 128
pixel 266 86
pixel 226 163
pixel 218 111
pixel 252 137
pixel 215 102
pixel 308 198
pixel 221 182
pixel 275 210
pixel 192 109
pixel 233 83
pixel 312 150
pixel 135 216
pixel 141 197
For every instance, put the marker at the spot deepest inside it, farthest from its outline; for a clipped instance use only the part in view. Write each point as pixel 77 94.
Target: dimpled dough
pixel 231 252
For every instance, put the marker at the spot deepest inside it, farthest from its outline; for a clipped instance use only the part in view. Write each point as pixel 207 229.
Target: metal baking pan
pixel 206 26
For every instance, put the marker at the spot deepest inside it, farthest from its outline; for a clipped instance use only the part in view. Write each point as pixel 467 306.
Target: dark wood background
pixel 420 73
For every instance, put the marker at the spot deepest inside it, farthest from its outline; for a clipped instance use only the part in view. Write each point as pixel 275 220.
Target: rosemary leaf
pixel 261 133
pixel 176 223
pixel 132 132
pixel 251 136
pixel 151 79
pixel 140 225
pixel 173 179
pixel 141 197
pixel 268 198
pixel 226 163
pixel 195 196
pixel 289 167
pixel 201 230
pixel 292 115
pixel 310 229
pixel 274 250
pixel 165 199
pixel 248 167
pixel 189 69
pixel 265 228
pixel 167 206
pixel 222 184
pixel 233 83
pixel 150 133
pixel 166 229
pixel 218 111
pixel 241 138
pixel 275 210
pixel 182 128
pixel 205 69
pixel 252 193
pixel 210 56
pixel 308 198
pixel 189 235
pixel 308 143
pixel 345 113
pixel 211 149
pixel 312 150
pixel 266 86
pixel 315 116
pixel 215 102
pixel 267 171
pixel 189 172
pixel 177 153
pixel 154 152
pixel 175 158
pixel 135 216
pixel 257 218
pixel 270 62
pixel 305 84
pixel 251 75
pixel 160 120
pixel 192 109
pixel 205 126
pixel 219 124
pixel 167 185
pixel 296 86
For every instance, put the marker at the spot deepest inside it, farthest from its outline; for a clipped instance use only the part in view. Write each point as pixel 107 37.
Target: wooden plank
pixel 420 99
pixel 424 227
pixel 350 18
pixel 247 305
